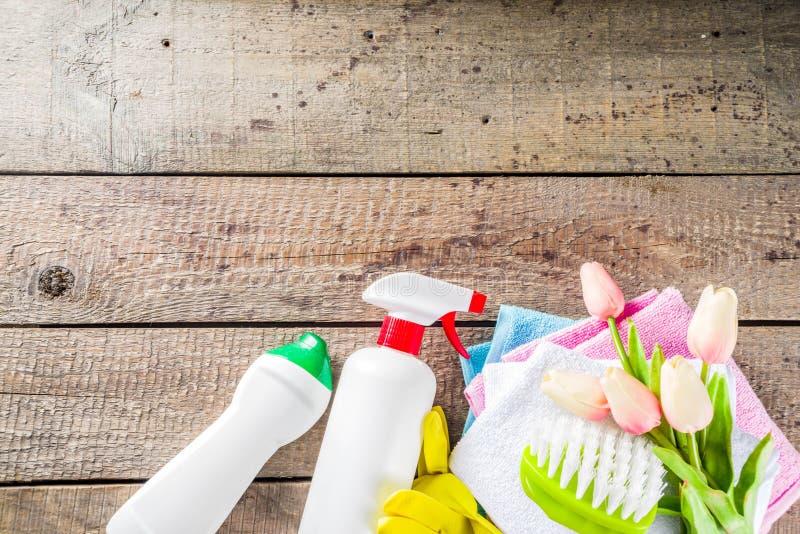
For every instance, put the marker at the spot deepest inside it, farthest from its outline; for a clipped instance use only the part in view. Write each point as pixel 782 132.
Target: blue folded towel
pixel 477 359
pixel 515 326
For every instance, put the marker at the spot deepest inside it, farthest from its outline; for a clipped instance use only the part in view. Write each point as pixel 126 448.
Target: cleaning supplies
pixel 372 442
pixel 515 326
pixel 487 459
pixel 279 399
pixel 664 318
pixel 570 336
pixel 592 478
pixel 437 503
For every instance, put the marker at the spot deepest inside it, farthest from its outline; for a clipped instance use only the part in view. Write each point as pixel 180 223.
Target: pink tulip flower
pixel 684 398
pixel 714 327
pixel 579 393
pixel 602 295
pixel 634 407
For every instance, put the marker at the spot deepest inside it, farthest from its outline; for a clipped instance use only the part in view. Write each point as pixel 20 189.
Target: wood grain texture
pixel 119 403
pixel 266 508
pixel 355 86
pixel 105 404
pixel 167 249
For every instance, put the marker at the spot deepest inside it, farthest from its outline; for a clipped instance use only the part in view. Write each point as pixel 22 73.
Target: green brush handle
pixel 562 506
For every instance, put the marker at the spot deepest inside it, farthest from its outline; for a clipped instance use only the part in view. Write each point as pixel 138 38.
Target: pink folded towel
pixel 664 319
pixel 573 337
pixel 569 337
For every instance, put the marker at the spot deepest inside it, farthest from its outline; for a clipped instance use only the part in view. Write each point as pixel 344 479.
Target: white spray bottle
pixel 279 399
pixel 374 433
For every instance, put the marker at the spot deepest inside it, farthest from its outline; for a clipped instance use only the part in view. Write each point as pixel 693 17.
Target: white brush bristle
pixel 622 466
pixel 591 448
pixel 572 456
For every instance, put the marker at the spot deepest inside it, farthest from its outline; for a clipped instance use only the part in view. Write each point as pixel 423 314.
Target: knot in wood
pixel 55 281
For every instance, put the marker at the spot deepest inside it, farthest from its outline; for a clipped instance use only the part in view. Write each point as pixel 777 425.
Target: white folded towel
pixel 487 459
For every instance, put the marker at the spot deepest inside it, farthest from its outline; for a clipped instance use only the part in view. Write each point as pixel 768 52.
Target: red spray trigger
pixel 449 327
pixel 413 302
pixel 449 323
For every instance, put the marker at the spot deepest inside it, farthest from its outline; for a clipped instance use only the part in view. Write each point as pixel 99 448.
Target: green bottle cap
pixel 311 353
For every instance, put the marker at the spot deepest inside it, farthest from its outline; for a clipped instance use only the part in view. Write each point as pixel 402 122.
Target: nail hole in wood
pixel 165 43
pixel 55 281
pixel 369 35
pixel 714 109
pixel 715 34
pixel 485 119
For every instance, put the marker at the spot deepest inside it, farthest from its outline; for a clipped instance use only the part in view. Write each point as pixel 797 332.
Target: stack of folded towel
pixel 515 327
pixel 524 336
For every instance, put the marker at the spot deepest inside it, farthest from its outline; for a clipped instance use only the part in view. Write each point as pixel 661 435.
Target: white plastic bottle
pixel 279 399
pixel 373 438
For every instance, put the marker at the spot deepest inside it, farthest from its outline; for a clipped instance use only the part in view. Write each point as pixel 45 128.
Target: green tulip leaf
pixel 682 442
pixel 667 431
pixel 744 494
pixel 669 505
pixel 695 514
pixel 656 361
pixel 716 454
pixel 675 463
pixel 637 356
pixel 718 503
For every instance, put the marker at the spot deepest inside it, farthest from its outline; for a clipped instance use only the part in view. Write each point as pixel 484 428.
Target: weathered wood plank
pixel 119 403
pixel 266 508
pixel 106 404
pixel 356 86
pixel 142 249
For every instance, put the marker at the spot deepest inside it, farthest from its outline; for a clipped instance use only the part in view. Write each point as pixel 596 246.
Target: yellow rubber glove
pixel 437 503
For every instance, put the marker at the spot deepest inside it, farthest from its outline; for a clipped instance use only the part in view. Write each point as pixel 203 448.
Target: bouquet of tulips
pixel 685 414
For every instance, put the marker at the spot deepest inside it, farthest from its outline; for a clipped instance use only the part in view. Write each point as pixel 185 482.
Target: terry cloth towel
pixel 569 337
pixel 666 320
pixel 487 458
pixel 477 359
pixel 515 326
pixel 471 367
pixel 501 378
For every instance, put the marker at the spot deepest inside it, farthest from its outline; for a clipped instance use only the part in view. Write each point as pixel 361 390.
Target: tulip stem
pixel 704 369
pixel 694 453
pixel 704 373
pixel 623 355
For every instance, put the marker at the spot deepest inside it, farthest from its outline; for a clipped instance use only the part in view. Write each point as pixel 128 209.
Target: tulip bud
pixel 633 406
pixel 684 398
pixel 713 330
pixel 602 295
pixel 579 393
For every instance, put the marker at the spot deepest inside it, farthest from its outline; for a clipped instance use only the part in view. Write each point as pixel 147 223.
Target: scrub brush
pixel 592 478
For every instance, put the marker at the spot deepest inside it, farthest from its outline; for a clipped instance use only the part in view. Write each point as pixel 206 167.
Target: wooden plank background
pixel 354 86
pixel 151 390
pixel 183 184
pixel 170 249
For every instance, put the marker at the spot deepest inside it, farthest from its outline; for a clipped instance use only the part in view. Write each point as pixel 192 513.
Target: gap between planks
pixel 314 324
